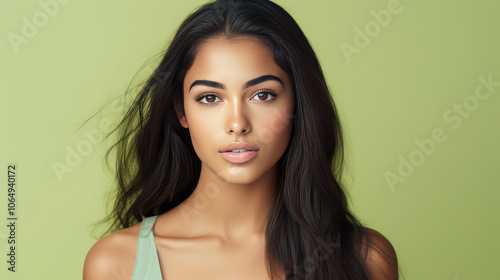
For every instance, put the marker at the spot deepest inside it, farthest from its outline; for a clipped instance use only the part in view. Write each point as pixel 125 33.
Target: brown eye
pixel 264 95
pixel 209 98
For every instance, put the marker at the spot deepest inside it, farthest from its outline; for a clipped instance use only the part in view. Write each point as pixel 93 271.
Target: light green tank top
pixel 147 265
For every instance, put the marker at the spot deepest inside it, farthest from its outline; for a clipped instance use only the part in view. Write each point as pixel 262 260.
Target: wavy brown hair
pixel 311 234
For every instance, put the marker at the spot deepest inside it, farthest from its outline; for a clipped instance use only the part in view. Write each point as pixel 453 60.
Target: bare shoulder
pixel 381 258
pixel 113 256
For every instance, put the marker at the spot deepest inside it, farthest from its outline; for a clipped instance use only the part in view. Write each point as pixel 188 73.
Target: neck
pixel 230 208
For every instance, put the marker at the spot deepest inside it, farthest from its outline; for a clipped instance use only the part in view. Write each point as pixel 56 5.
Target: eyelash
pixel 203 95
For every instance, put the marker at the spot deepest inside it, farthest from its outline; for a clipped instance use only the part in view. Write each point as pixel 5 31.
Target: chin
pixel 238 175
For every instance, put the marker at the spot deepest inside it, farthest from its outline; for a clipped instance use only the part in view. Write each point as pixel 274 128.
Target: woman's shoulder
pixel 380 256
pixel 113 256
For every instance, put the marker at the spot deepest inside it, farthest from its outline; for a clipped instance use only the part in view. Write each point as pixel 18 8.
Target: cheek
pixel 276 128
pixel 202 129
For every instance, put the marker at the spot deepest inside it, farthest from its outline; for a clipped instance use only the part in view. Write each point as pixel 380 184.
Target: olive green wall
pixel 416 83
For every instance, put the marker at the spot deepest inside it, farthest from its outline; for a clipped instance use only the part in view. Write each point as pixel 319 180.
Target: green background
pixel 442 219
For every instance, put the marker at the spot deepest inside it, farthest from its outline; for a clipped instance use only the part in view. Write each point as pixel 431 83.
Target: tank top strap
pixel 147 226
pixel 147 265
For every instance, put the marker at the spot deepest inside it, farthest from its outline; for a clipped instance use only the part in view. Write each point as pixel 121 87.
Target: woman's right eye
pixel 208 97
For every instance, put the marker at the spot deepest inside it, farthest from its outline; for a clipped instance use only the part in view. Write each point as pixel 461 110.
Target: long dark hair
pixel 310 232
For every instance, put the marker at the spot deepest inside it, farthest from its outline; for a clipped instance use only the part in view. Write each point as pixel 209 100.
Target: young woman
pixel 229 162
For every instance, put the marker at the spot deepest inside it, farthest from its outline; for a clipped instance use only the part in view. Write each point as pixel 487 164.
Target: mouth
pixel 239 151
pixel 239 156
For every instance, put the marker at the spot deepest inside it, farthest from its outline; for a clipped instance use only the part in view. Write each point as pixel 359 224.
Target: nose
pixel 237 120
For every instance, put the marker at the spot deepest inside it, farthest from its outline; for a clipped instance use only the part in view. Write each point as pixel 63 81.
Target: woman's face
pixel 225 101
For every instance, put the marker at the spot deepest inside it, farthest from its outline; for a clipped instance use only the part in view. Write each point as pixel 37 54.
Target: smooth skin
pixel 219 231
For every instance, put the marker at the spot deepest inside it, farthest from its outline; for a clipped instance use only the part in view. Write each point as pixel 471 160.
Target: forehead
pixel 232 61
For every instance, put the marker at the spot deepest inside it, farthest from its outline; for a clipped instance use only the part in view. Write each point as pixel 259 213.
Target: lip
pixel 242 157
pixel 238 145
pixel 239 157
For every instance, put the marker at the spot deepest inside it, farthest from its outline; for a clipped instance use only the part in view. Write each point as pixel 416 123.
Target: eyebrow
pixel 248 84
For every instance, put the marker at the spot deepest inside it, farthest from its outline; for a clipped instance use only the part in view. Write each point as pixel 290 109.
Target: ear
pixel 180 112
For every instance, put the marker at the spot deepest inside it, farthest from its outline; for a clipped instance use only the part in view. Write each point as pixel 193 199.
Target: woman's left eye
pixel 265 94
